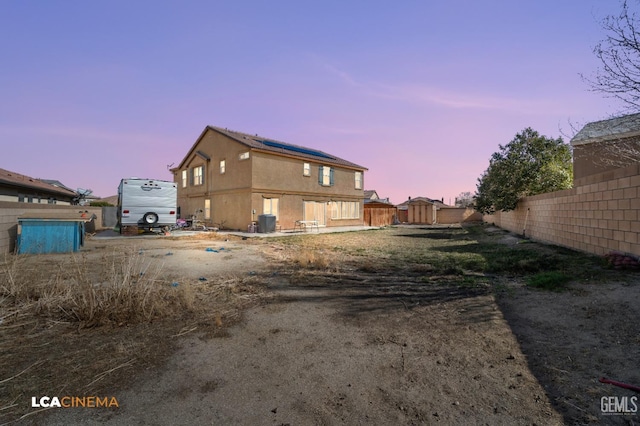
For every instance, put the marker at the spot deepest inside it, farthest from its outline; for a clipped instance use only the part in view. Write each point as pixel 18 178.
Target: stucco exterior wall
pixel 600 214
pixel 240 191
pixel 598 157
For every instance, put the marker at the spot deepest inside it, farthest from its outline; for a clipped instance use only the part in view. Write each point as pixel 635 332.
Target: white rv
pixel 147 203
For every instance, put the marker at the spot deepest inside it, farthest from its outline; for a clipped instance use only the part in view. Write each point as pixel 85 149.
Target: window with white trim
pixel 223 166
pixel 207 209
pixel 270 206
pixel 184 178
pixel 306 169
pixel 198 175
pixel 358 177
pixel 244 156
pixel 345 210
pixel 325 176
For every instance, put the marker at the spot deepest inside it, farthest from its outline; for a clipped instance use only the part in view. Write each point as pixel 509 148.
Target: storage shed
pixel 53 233
pixel 422 212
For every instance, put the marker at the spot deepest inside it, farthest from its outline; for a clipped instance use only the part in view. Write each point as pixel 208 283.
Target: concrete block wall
pixel 599 215
pixel 449 215
pixel 10 211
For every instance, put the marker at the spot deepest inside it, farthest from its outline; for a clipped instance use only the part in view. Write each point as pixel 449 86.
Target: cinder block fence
pixel 598 215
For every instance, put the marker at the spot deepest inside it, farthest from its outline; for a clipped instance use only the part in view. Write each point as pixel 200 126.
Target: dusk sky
pixel 419 92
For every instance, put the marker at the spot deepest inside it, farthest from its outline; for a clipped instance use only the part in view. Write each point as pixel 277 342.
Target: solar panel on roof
pixel 296 149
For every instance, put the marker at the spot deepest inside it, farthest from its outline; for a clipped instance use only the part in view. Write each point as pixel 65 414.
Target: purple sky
pixel 419 92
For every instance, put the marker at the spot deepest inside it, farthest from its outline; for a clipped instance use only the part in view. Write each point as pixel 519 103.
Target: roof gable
pixel 371 194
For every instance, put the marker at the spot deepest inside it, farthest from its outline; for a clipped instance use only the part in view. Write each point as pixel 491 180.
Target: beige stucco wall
pixel 241 189
pixel 600 214
pixel 598 157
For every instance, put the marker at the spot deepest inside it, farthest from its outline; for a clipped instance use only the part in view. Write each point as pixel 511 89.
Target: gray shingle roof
pixel 613 128
pixel 282 148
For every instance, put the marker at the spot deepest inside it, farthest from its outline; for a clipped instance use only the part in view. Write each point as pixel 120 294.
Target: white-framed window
pixel 270 206
pixel 184 178
pixel 358 177
pixel 345 210
pixel 223 166
pixel 244 156
pixel 198 175
pixel 325 176
pixel 306 169
pixel 207 209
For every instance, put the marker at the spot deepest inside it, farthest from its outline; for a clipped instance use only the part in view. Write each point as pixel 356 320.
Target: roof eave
pixel 604 138
pixel 53 190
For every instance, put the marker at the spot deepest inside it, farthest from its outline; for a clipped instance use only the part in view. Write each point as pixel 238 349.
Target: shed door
pixel 314 210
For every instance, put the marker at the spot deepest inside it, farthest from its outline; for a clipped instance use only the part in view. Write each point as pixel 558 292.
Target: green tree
pixel 528 165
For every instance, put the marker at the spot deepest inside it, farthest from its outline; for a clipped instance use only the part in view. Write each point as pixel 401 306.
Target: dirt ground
pixel 354 344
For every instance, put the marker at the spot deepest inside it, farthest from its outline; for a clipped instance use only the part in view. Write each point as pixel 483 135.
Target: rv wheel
pixel 150 218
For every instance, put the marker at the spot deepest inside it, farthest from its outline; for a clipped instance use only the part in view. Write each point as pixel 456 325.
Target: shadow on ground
pixel 374 294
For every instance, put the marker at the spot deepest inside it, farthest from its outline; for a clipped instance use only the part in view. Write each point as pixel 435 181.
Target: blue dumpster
pixel 50 235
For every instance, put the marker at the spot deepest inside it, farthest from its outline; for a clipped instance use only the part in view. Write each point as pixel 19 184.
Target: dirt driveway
pixel 349 341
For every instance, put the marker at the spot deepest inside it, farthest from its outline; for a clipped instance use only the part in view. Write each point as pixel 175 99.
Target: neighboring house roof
pixel 275 147
pixel 371 197
pixel 113 199
pixel 613 128
pixel 56 183
pixel 405 204
pixel 379 201
pixel 10 178
pixel 370 194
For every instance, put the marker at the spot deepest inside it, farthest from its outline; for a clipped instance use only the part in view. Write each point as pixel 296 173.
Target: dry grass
pixel 311 259
pixel 123 288
pixel 79 324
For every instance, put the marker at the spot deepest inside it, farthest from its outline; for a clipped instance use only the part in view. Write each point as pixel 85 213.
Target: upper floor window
pixel 244 156
pixel 325 176
pixel 358 180
pixel 306 169
pixel 198 175
pixel 223 166
pixel 184 178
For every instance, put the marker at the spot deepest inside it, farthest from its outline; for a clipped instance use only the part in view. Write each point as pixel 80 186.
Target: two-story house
pixel 232 178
